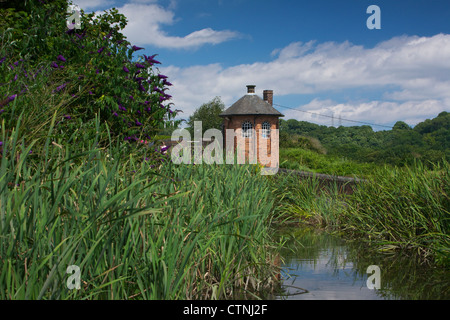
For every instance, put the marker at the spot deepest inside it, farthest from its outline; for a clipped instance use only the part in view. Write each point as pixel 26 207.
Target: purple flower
pixel 11 98
pixel 122 108
pixel 164 149
pixel 167 83
pixel 135 48
pixel 53 65
pixel 16 63
pixel 140 78
pixel 151 59
pixel 126 69
pixel 60 87
pixel 101 50
pixel 1 111
pixel 90 92
pixel 1 143
pixel 97 71
pixel 161 76
pixel 15 77
pixel 140 66
pixel 141 88
pixel 115 114
pixel 67 117
pixel 2 59
pixel 61 58
pixel 138 123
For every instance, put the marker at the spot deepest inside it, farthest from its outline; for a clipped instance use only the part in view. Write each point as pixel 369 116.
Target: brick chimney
pixel 268 96
pixel 251 89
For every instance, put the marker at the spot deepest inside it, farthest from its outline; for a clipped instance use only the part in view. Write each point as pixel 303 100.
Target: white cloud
pixel 374 112
pixel 411 75
pixel 145 22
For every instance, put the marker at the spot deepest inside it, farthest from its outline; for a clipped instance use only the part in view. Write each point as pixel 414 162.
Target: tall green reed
pixel 404 208
pixel 135 232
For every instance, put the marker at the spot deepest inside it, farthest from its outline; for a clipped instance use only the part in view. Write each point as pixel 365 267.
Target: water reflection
pixel 320 266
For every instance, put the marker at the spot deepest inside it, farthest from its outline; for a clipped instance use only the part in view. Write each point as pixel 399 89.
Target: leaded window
pixel 266 130
pixel 247 129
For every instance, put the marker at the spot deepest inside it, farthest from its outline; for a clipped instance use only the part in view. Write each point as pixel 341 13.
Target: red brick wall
pixel 235 122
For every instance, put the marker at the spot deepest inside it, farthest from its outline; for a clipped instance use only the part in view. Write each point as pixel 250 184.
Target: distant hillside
pixel 428 140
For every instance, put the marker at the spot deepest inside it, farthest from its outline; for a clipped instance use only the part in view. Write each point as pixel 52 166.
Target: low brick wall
pixel 346 184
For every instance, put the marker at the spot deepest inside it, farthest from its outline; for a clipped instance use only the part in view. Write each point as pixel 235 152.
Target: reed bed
pixel 404 208
pixel 395 209
pixel 134 230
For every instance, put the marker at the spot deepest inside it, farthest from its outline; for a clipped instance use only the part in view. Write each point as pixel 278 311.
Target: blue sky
pixel 318 56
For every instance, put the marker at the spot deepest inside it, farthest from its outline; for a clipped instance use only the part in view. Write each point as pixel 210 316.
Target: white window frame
pixel 266 130
pixel 247 128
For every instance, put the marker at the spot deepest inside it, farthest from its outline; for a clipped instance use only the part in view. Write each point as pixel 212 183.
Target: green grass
pixel 308 160
pixel 171 232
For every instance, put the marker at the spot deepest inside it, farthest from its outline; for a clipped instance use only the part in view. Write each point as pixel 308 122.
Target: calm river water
pixel 320 266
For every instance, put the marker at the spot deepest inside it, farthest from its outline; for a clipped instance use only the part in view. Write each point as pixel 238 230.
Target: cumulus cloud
pixel 410 74
pixel 145 21
pixel 328 112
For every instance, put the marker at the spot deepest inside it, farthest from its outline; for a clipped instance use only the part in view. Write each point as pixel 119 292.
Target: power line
pixel 332 117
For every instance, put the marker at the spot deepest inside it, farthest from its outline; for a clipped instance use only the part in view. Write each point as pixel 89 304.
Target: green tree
pixel 45 67
pixel 208 113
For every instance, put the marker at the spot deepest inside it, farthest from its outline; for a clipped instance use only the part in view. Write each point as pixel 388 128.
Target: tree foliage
pixel 428 140
pixel 78 73
pixel 208 113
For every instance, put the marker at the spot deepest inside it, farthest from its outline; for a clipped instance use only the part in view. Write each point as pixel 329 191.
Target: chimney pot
pixel 251 88
pixel 268 96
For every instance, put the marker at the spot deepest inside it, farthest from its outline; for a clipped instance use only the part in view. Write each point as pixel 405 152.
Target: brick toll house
pixel 255 119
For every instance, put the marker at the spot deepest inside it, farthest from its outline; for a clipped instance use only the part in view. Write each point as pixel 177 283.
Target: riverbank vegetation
pixel 395 209
pixel 403 204
pixel 85 183
pixel 135 231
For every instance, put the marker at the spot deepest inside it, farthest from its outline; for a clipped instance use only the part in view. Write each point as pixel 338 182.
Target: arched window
pixel 266 130
pixel 247 129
